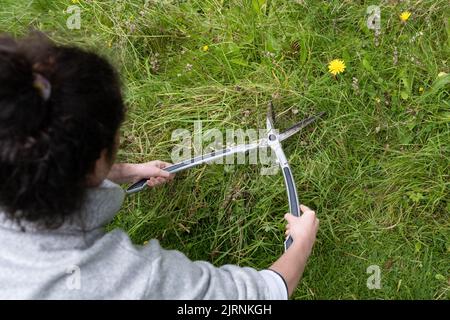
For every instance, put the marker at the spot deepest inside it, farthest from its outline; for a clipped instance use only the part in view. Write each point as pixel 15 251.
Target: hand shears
pixel 272 140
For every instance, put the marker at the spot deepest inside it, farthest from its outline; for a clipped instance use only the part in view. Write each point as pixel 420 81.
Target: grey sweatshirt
pixel 80 261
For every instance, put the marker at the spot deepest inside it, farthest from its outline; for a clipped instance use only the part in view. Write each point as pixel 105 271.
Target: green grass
pixel 376 169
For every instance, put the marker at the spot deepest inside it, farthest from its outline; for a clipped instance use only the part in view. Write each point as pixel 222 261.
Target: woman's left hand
pixel 131 173
pixel 153 170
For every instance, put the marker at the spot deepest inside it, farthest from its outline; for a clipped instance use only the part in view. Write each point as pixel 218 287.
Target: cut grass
pixel 376 169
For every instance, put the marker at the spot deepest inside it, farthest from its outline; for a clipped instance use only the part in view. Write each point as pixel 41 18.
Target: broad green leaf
pixel 240 62
pixel 404 95
pixel 418 246
pixel 438 84
pixel 259 6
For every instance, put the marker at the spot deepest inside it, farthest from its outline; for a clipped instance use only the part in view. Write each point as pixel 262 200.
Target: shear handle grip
pixel 294 206
pixel 136 187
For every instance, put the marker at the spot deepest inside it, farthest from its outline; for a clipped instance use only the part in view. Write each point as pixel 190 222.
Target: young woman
pixel 60 112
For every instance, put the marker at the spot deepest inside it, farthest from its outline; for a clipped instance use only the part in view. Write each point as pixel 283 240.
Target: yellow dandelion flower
pixel 421 89
pixel 336 66
pixel 145 243
pixel 404 16
pixel 205 48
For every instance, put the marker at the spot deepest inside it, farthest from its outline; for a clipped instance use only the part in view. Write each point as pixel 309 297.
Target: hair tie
pixel 42 85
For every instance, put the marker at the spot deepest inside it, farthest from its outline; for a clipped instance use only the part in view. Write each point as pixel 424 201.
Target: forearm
pixel 291 265
pixel 123 173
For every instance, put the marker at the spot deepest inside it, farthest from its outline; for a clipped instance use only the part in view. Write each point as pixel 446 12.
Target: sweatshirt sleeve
pixel 278 288
pixel 174 276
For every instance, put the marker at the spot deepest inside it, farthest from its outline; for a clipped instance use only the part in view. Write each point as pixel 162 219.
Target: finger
pixel 162 173
pixel 155 182
pixel 304 208
pixel 286 232
pixel 309 217
pixel 160 180
pixel 160 164
pixel 166 165
pixel 163 164
pixel 289 217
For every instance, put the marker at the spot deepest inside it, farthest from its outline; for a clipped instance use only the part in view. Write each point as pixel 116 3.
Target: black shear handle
pixel 294 205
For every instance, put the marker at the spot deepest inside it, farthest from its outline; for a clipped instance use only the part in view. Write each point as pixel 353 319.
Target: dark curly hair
pixel 48 147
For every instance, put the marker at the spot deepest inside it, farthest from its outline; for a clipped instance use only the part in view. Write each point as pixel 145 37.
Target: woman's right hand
pixel 302 229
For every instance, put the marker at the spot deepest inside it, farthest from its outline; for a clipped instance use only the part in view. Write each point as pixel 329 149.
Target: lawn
pixel 375 168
